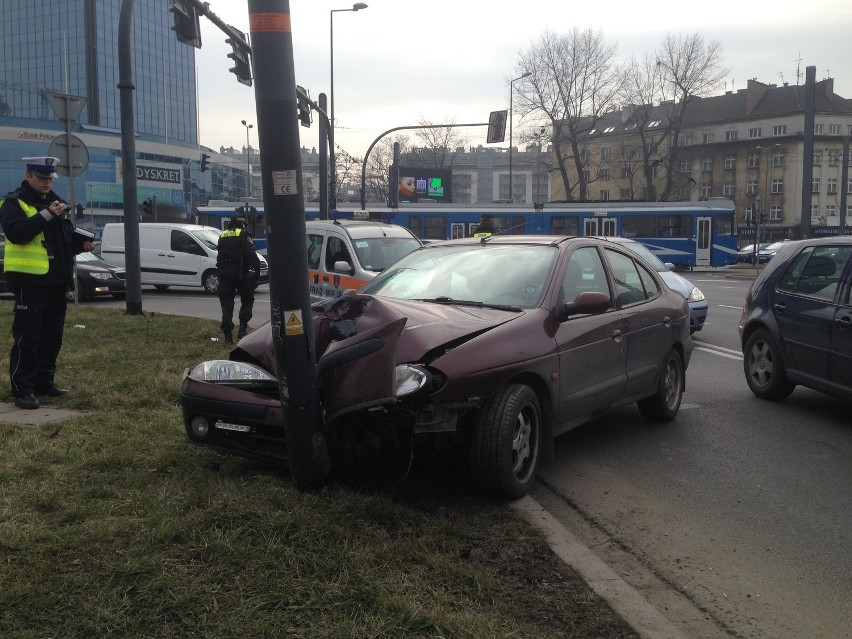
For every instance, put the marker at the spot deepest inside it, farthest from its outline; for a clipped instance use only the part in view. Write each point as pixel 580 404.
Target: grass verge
pixel 112 525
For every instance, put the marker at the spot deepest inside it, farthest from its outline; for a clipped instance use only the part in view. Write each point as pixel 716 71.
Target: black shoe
pixel 52 390
pixel 243 331
pixel 28 402
pixel 229 338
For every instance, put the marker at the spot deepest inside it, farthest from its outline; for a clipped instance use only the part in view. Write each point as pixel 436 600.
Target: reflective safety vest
pixel 31 257
pixel 231 233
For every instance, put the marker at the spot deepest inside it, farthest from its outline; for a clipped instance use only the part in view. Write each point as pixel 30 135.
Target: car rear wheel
pixel 210 282
pixel 764 370
pixel 507 443
pixel 663 405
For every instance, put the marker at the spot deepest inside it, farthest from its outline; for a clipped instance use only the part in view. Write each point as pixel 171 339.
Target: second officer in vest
pixel 39 257
pixel 238 267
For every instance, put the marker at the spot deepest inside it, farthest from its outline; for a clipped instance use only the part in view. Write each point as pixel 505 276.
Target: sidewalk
pixel 11 414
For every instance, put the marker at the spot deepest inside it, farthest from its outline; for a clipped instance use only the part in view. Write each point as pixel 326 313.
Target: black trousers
pixel 37 330
pixel 228 287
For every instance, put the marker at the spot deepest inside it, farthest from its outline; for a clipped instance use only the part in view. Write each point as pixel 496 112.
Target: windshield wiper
pixel 475 303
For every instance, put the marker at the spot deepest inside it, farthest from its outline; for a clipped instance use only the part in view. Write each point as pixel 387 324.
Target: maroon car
pixel 492 346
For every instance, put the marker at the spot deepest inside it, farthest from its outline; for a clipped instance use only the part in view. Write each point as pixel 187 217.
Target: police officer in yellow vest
pixel 238 266
pixel 40 249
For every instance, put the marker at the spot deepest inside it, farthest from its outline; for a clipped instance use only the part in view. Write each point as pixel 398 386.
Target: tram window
pixel 724 224
pixel 675 226
pixel 564 225
pixel 415 224
pixel 637 226
pixel 518 225
pixel 434 227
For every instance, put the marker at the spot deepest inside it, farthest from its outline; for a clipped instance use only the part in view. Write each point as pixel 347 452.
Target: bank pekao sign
pixel 157 174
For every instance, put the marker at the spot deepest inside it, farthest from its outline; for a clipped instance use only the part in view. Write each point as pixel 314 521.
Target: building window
pixel 834 129
pixel 814 211
pixel 775 213
pixel 707 164
pixel 779 129
pixel 604 196
pixel 728 189
pixel 686 166
pixel 584 156
pixel 731 162
pixel 684 193
pixel 625 172
pixel 753 160
pixel 817 158
pixel 815 185
pixel 707 138
pixel 626 151
pixel 587 176
pixel 706 190
pixel 605 153
pixel 778 158
pixel 832 186
pixel 830 210
pixel 849 186
pixel 625 194
pixel 818 129
pixel 751 187
pixel 730 136
pixel 754 133
pixel 833 158
pixel 604 174
pixel 777 186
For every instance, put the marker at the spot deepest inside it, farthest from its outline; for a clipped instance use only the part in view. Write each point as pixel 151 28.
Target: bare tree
pixel 379 164
pixel 348 170
pixel 573 82
pixel 689 67
pixel 438 143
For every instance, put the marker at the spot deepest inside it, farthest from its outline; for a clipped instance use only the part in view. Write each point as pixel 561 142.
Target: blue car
pixel 796 326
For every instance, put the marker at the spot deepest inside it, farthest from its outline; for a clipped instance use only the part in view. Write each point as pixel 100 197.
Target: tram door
pixel 703 241
pixel 599 226
pixel 457 230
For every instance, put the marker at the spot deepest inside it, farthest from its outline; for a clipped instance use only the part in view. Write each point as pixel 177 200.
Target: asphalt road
pixel 734 520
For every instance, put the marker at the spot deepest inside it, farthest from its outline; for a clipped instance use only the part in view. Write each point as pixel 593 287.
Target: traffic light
pixel 147 206
pixel 187 27
pixel 497 126
pixel 303 97
pixel 242 64
pixel 204 158
pixel 79 210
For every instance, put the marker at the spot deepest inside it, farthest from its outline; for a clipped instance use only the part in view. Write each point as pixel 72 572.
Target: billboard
pixel 423 184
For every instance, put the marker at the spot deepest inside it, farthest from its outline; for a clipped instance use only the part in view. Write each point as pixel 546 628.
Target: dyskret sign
pixel 154 174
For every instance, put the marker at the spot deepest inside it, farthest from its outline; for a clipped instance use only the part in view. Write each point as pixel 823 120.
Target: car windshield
pixel 480 274
pixel 644 252
pixel 209 237
pixel 377 253
pixel 88 256
pixel 774 246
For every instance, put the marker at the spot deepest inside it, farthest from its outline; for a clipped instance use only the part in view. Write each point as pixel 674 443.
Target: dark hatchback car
pixel 796 326
pixel 490 347
pixel 95 276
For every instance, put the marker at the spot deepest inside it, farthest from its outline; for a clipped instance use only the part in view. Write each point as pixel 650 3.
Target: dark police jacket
pixel 237 257
pixel 59 238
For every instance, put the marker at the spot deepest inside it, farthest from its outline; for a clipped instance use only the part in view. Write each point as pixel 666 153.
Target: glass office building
pixel 71 47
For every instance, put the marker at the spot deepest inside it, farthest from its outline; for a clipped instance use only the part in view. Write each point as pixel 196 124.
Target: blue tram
pixel 686 234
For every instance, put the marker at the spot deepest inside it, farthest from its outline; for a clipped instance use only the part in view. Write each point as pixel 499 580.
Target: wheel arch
pixel 545 400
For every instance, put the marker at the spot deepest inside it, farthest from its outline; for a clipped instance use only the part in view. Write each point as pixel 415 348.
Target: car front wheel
pixel 763 368
pixel 210 282
pixel 663 405
pixel 506 447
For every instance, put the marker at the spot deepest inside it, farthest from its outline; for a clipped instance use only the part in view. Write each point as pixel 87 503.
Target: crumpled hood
pixel 428 326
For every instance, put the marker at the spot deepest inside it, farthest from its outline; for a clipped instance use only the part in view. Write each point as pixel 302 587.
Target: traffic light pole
pixel 281 175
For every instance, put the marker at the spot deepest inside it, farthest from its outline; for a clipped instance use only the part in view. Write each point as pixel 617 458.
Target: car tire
pixel 210 281
pixel 120 296
pixel 161 287
pixel 664 404
pixel 764 368
pixel 506 446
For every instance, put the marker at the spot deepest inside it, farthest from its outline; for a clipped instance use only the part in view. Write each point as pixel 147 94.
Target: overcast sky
pixel 399 61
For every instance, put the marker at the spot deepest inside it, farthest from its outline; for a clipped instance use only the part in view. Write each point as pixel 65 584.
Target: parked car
pixel 95 276
pixel 695 298
pixel 796 326
pixel 768 252
pixel 490 346
pixel 747 253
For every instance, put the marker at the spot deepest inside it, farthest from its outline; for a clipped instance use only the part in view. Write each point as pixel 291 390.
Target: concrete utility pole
pixel 808 152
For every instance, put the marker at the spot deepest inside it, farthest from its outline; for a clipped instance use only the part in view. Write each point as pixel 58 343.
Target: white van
pixel 172 254
pixel 346 254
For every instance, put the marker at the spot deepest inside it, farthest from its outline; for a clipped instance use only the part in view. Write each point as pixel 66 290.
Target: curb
pixel 646 620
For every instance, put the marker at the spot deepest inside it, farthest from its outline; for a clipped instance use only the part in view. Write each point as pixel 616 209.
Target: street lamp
pixel 511 100
pixel 248 160
pixel 332 168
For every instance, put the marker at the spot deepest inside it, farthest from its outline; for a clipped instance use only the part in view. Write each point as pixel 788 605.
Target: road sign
pixel 72 153
pixel 66 107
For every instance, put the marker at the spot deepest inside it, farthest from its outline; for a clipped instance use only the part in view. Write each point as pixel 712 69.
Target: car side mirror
pixel 342 266
pixel 588 302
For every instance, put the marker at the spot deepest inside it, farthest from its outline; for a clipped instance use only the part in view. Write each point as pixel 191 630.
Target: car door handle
pixel 667 321
pixel 616 334
pixel 780 308
pixel 845 322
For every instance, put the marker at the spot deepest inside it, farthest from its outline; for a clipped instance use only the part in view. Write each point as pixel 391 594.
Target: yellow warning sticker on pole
pixel 293 325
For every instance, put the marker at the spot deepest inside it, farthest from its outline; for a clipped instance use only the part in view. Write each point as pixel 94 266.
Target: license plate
pixel 240 428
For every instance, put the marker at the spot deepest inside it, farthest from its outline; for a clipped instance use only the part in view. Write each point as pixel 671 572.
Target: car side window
pixel 633 282
pixel 585 272
pixel 183 243
pixel 816 273
pixel 336 251
pixel 314 249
